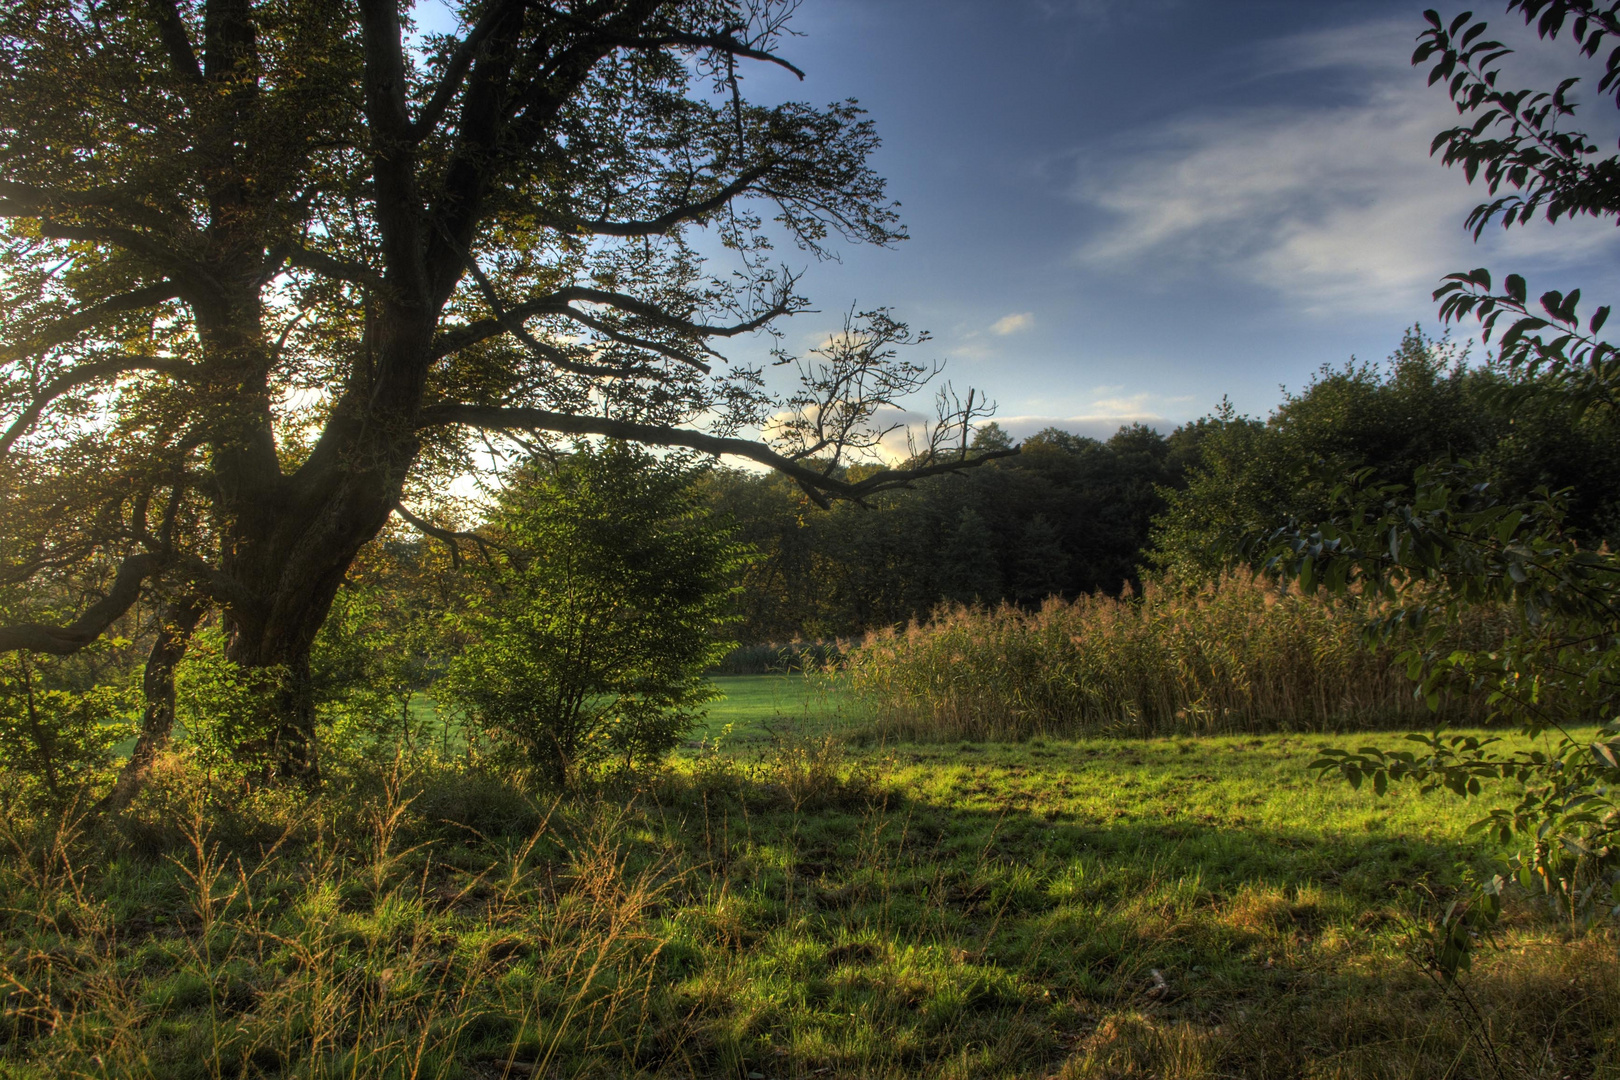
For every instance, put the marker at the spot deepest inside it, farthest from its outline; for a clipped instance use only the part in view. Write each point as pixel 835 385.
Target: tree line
pixel 1070 515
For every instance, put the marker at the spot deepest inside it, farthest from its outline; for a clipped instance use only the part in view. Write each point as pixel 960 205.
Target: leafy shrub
pixel 225 712
pixel 1439 552
pixel 55 735
pixel 600 611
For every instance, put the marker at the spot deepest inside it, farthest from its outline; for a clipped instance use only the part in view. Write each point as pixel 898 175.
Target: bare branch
pixel 722 42
pixel 818 485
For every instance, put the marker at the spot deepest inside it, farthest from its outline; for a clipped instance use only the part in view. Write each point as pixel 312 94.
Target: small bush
pixel 56 738
pixel 596 618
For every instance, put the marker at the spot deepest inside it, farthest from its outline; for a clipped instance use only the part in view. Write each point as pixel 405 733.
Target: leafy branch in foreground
pixel 1429 551
pixel 1449 542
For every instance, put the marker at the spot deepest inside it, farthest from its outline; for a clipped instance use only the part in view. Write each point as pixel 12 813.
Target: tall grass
pixel 815 913
pixel 1234 656
pixel 336 938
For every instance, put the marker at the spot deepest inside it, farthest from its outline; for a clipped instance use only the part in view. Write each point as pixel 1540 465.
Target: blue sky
pixel 1124 210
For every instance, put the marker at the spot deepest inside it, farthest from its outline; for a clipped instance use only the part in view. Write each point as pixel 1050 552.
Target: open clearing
pixel 799 908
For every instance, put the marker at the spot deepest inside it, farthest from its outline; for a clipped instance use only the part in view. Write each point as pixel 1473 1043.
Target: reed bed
pixel 1235 656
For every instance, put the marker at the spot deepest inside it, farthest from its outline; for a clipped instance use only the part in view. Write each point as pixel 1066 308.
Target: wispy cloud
pixel 1013 324
pixel 1100 11
pixel 1336 207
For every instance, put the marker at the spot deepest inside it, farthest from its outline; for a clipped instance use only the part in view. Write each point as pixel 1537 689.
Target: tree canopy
pixel 273 266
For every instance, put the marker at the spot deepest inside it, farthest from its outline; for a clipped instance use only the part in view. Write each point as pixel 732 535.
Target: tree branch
pixel 80 376
pixel 25 200
pixel 657 314
pixel 64 329
pixel 556 303
pixel 664 222
pixel 725 43
pixel 513 326
pixel 818 485
pixel 449 537
pixel 454 72
pixel 333 267
pixel 65 640
pixel 176 266
pixel 173 32
pixel 635 342
pixel 392 148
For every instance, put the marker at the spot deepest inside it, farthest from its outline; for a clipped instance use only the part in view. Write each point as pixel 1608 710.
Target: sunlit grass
pixel 796 908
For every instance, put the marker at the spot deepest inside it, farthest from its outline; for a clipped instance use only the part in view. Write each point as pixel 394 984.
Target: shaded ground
pixel 792 907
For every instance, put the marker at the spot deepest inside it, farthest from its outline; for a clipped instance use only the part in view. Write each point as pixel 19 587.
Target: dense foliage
pixel 602 603
pixel 1382 423
pixel 1451 540
pixel 1067 516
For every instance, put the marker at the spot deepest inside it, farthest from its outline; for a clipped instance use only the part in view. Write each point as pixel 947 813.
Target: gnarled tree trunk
pixel 179 620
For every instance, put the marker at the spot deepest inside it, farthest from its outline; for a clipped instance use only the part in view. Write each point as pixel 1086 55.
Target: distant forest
pixel 1072 515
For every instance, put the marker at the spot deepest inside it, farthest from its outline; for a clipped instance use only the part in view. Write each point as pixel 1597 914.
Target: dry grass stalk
pixel 1236 656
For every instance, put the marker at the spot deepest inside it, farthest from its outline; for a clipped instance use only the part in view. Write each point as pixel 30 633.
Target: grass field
pixel 756 706
pixel 793 907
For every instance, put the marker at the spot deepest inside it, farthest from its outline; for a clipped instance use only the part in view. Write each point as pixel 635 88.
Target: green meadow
pixel 796 901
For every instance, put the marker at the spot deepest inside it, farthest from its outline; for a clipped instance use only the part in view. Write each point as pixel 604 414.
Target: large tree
pixel 273 266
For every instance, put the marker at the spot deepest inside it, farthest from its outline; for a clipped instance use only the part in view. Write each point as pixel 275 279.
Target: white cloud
pixel 1013 324
pixel 1102 416
pixel 1335 207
